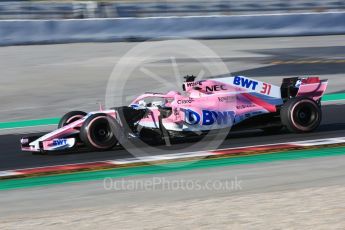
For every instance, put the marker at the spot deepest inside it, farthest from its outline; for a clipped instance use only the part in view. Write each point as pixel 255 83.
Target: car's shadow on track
pixel 331 127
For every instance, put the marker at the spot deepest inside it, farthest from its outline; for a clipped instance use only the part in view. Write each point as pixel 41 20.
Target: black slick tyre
pixel 70 117
pixel 96 132
pixel 301 115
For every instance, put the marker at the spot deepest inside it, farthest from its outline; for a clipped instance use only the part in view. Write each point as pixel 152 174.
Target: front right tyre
pixel 96 132
pixel 301 115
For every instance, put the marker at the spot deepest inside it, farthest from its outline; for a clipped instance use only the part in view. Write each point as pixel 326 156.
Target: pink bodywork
pixel 227 98
pixel 312 87
pixel 205 105
pixel 241 102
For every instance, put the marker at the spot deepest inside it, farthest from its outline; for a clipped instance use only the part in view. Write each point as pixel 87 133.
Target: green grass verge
pixel 334 97
pixel 29 123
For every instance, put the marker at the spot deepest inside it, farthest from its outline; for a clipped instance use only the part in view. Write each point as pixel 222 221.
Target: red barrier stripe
pixel 253 149
pixel 64 168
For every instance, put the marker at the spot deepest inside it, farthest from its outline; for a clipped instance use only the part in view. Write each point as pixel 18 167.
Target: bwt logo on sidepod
pixel 208 117
pixel 245 83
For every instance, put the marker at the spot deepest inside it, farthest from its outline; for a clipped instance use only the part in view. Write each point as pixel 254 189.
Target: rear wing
pixel 311 87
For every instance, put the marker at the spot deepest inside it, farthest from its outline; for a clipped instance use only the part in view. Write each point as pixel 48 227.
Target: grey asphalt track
pixel 50 80
pixel 333 125
pixel 47 81
pixel 168 188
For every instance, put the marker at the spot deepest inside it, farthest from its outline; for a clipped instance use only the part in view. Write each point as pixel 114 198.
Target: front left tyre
pixel 96 132
pixel 70 117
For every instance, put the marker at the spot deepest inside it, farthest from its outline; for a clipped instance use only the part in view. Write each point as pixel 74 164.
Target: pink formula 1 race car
pixel 207 105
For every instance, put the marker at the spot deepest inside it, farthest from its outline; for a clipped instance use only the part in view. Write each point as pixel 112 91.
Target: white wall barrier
pixel 14 32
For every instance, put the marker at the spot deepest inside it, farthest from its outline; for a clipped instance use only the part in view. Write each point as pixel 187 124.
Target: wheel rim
pixel 100 132
pixel 305 115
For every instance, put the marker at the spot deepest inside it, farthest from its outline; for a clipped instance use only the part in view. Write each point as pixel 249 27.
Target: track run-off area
pixel 12 166
pixel 281 169
pixel 268 59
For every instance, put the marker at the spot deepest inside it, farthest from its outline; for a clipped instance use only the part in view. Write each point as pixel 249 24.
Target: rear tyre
pixel 70 117
pixel 301 115
pixel 96 132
